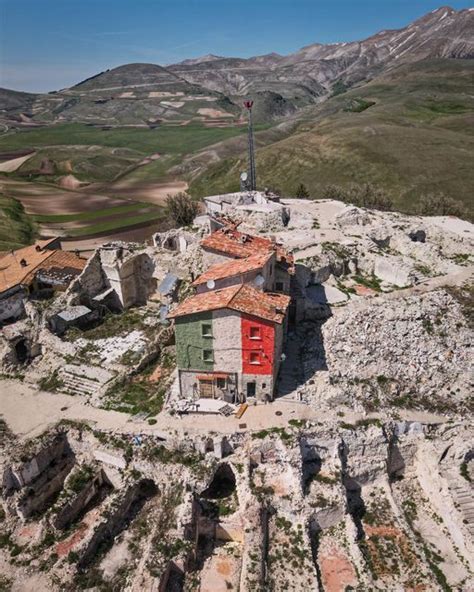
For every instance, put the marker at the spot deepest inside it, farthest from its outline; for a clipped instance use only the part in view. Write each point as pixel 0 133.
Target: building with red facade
pixel 230 333
pixel 229 343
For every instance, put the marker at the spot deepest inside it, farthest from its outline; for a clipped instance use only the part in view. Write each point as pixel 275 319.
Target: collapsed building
pixel 36 271
pixel 118 276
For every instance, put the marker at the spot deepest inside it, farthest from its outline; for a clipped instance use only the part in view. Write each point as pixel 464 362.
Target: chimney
pixel 23 262
pixel 38 248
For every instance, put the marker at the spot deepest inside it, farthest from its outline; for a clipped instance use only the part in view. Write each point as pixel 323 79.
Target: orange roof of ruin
pixel 233 268
pixel 238 244
pixel 12 273
pixel 241 298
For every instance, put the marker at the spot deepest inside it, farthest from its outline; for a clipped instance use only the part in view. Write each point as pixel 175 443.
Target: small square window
pixel 206 329
pixel 220 382
pixel 279 286
pixel 255 358
pixel 208 355
pixel 255 333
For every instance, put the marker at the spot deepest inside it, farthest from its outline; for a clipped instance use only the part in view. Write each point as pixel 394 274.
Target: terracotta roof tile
pixel 242 298
pixel 233 268
pixel 238 244
pixel 12 273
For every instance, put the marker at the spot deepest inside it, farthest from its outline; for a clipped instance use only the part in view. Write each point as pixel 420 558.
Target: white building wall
pixel 227 341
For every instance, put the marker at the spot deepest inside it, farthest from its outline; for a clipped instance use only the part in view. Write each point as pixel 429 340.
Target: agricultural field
pixel 82 181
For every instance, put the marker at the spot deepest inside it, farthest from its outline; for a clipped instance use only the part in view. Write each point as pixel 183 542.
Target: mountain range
pixel 395 109
pixel 148 93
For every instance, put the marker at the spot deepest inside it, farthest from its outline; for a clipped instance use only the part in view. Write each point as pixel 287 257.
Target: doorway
pixel 251 389
pixel 21 351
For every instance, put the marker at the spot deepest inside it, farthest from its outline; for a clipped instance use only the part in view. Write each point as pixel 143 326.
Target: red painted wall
pixel 264 346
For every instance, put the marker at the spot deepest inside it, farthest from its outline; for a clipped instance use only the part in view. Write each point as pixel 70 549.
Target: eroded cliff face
pixel 307 507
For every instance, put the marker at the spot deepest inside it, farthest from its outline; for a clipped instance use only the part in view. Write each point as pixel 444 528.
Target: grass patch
pixel 262 434
pixel 371 282
pixel 135 397
pixel 17 229
pixel 116 224
pixel 113 325
pixel 358 105
pixel 51 383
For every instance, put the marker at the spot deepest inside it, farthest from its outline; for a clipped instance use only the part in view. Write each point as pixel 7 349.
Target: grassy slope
pixel 417 138
pixel 16 227
pixel 167 139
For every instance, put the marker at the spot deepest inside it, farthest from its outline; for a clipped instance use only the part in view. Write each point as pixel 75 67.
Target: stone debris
pixel 380 326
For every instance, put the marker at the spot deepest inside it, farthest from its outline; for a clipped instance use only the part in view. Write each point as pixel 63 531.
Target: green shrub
pixel 181 209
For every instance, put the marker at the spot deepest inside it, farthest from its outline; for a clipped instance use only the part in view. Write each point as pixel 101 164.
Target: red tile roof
pixel 238 244
pixel 241 298
pixel 234 267
pixel 12 273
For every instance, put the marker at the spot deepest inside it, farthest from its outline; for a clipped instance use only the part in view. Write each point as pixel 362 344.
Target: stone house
pixel 229 343
pixel 258 270
pixel 229 243
pixel 36 271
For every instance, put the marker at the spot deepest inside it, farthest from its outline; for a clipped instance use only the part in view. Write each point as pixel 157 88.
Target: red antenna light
pixel 248 104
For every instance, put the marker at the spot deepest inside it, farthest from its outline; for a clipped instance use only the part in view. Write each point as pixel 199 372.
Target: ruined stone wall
pixel 12 306
pixel 90 282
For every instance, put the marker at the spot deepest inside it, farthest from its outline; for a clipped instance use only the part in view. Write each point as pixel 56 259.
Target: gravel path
pixel 29 412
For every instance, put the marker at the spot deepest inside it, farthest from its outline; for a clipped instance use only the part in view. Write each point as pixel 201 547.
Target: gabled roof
pixel 238 244
pixel 242 298
pixel 234 268
pixel 36 257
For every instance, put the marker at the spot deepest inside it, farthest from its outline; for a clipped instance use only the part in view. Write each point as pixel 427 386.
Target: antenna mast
pixel 252 175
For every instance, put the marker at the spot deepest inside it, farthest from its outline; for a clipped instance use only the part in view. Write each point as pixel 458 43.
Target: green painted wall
pixel 190 342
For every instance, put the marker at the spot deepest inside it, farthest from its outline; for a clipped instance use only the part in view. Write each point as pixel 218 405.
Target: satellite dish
pixel 243 176
pixel 259 280
pixel 211 284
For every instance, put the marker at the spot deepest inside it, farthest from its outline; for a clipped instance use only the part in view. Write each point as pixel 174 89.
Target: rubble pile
pixel 358 476
pixel 410 353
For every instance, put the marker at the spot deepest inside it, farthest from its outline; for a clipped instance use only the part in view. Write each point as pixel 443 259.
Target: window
pixel 207 355
pixel 255 358
pixel 255 333
pixel 220 382
pixel 279 286
pixel 206 329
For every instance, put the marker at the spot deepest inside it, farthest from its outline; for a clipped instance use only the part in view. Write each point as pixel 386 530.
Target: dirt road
pixel 29 412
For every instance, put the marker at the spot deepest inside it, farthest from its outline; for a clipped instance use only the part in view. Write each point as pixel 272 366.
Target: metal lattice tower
pixel 252 174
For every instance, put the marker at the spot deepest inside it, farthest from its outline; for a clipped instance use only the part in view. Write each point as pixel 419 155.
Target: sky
pixel 51 44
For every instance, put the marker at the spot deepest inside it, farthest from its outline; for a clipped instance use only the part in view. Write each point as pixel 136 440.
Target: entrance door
pixel 251 389
pixel 205 389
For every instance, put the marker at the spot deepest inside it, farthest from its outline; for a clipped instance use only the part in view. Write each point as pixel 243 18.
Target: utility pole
pixel 252 175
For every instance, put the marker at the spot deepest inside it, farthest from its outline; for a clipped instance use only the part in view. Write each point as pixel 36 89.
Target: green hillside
pixel 409 132
pixel 16 228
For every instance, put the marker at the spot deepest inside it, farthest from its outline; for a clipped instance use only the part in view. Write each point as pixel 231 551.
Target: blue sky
pixel 50 44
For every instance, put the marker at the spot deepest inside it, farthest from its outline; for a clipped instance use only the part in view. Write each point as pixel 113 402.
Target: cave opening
pixel 21 351
pixel 222 484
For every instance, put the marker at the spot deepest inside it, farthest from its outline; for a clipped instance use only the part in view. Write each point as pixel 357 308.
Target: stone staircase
pixel 463 496
pixel 83 380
